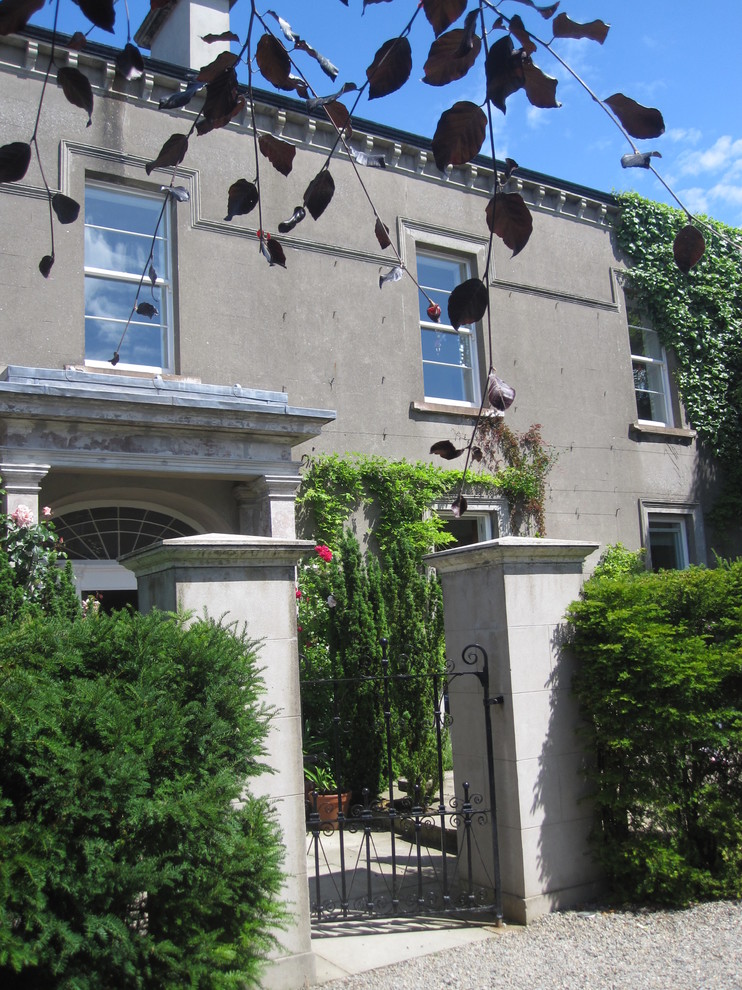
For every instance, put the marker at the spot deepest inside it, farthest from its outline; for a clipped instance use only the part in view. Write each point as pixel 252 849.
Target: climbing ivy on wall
pixel 397 495
pixel 698 315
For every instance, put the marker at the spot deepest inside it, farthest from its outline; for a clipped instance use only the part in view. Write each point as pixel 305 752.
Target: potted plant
pixel 322 794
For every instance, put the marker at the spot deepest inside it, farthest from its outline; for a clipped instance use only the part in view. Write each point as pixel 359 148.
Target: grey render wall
pixel 322 330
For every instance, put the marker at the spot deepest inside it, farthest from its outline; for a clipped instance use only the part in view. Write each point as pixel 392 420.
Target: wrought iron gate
pixel 381 855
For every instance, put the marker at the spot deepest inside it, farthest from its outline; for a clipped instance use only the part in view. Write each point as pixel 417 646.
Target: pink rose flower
pixel 47 511
pixel 22 516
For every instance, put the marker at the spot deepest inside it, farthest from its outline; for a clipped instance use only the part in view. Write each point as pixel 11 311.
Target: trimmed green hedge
pixel 131 857
pixel 659 681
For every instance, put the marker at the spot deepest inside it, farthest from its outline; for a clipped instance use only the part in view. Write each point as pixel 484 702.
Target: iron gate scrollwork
pixel 387 855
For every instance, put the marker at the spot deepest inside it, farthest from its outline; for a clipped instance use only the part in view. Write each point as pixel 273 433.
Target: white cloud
pixel 683 135
pixel 725 153
pixel 537 117
pixel 695 199
pixel 727 193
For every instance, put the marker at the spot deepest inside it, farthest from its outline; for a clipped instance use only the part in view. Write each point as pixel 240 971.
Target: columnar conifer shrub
pixel 131 854
pixel 660 685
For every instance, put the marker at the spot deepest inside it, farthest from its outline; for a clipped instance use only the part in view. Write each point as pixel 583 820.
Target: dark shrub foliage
pixel 660 683
pixel 130 856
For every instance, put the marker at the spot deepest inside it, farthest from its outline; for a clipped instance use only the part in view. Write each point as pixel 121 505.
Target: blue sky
pixel 680 57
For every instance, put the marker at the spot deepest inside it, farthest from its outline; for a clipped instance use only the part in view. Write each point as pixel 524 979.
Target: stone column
pixel 267 506
pixel 509 596
pixel 253 581
pixel 22 484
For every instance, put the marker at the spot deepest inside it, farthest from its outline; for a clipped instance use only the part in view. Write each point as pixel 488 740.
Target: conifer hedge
pixel 131 856
pixel 659 681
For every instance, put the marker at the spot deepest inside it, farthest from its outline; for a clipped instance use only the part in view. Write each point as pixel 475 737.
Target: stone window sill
pixel 448 409
pixel 670 434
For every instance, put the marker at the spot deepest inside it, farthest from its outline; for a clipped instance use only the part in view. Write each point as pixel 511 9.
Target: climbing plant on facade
pixel 697 315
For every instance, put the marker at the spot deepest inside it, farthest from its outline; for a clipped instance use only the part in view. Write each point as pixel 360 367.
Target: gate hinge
pixel 498 700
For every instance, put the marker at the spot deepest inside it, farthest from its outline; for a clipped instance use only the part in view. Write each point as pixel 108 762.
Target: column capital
pixel 22 484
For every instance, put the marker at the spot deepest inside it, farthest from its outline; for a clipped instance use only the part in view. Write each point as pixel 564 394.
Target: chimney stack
pixel 173 33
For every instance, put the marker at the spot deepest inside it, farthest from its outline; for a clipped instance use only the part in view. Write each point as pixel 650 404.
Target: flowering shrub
pixel 30 564
pixel 324 552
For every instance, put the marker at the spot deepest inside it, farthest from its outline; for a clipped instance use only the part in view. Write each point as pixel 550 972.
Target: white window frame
pixel 470 332
pixel 686 518
pixel 492 515
pixel 164 279
pixel 659 367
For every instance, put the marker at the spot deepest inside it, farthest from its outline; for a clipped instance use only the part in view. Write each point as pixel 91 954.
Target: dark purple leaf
pixel 14 161
pixel 467 303
pixel 214 120
pixel 369 161
pixel 390 68
pixel 640 122
pixel 66 209
pixel 639 160
pixel 394 275
pixel 77 42
pixel 688 248
pixel 224 36
pixel 509 218
pixel 446 450
pixel 279 153
pixel 324 63
pixel 565 28
pixel 147 309
pixel 518 31
pixel 546 12
pixel 504 71
pixel 340 117
pixel 459 506
pixel 320 101
pixel 442 13
pixel 242 198
pixel 459 135
pixel 152 275
pixel 444 64
pixel 45 265
pixel 115 359
pixel 76 87
pixel 272 251
pixel 296 217
pixel 285 27
pixel 179 193
pixel 130 63
pixel 510 166
pixel 318 193
pixel 540 88
pixel 99 12
pixel 223 62
pixel 382 234
pixel 178 100
pixel 476 454
pixel 500 394
pixel 274 62
pixel 15 14
pixel 222 102
pixel 171 153
pixel 469 33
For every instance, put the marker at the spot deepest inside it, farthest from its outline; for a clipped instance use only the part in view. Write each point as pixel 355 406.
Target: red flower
pixel 324 552
pixel 298 592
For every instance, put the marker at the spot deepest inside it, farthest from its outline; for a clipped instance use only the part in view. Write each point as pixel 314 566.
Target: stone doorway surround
pixel 99 423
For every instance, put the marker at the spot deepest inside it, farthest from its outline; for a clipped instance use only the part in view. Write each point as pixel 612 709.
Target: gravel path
pixel 697 949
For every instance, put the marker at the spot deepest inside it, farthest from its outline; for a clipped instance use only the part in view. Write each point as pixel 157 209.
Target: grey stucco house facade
pixel 201 424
